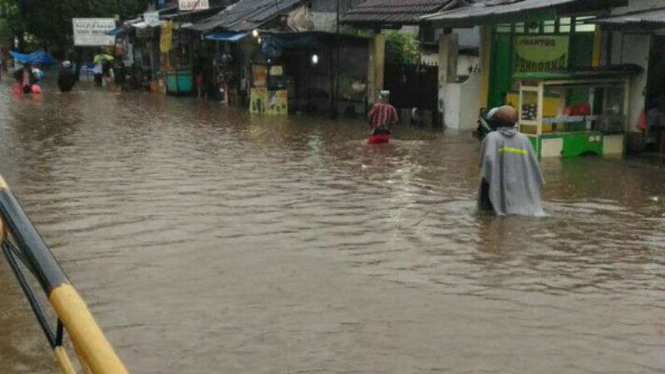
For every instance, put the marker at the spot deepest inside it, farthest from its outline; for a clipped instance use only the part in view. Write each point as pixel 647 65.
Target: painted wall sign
pixel 92 32
pixel 538 54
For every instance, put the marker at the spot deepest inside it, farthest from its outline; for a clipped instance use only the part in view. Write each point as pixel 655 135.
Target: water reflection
pixel 208 240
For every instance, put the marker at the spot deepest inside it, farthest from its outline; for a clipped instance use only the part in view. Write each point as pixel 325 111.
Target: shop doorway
pixel 414 86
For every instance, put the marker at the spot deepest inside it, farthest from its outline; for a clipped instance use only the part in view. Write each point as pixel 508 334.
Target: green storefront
pixel 575 43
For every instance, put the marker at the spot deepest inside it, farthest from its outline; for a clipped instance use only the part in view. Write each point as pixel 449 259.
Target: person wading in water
pixel 511 178
pixel 382 116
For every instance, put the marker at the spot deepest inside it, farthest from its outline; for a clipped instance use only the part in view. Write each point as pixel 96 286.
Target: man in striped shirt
pixel 382 115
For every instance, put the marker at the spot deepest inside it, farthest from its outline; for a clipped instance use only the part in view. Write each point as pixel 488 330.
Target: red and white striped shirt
pixel 383 115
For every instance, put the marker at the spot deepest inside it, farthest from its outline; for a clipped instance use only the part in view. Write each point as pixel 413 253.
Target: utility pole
pixel 335 112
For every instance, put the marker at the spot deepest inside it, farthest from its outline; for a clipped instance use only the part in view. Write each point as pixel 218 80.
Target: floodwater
pixel 208 241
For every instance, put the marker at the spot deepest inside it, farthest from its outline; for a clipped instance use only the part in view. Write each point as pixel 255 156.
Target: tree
pixel 50 21
pixel 11 22
pixel 402 48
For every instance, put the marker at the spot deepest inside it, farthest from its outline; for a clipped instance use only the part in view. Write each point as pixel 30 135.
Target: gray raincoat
pixel 511 175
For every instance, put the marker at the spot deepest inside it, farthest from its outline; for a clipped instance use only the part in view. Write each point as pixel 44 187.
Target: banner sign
pixel 151 18
pixel 278 102
pixel 541 54
pixel 167 37
pixel 258 100
pixel 193 4
pixel 92 32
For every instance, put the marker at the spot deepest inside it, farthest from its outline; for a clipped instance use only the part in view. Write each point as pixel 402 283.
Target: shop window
pixel 565 25
pixel 549 27
pixel 581 24
pixel 533 27
pixel 519 28
pixel 504 28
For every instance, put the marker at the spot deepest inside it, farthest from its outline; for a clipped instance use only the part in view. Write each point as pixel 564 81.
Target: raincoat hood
pixel 508 132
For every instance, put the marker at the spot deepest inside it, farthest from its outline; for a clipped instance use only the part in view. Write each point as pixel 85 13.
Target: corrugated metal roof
pixel 645 18
pixel 246 15
pixel 393 11
pixel 487 9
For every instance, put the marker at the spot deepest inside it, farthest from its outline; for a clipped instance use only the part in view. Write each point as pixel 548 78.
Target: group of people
pixel 510 178
pixel 27 79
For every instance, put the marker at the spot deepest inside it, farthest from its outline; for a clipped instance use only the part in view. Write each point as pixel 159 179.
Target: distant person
pixel 66 76
pixel 119 75
pixel 417 119
pixel 383 116
pixel 98 71
pixel 25 79
pixel 511 178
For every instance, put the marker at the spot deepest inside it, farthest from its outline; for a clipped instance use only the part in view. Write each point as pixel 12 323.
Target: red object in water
pixel 379 139
pixel 36 89
pixel 17 89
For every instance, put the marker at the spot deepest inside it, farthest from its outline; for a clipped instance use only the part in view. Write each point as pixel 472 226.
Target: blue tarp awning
pixel 227 36
pixel 115 32
pixel 37 56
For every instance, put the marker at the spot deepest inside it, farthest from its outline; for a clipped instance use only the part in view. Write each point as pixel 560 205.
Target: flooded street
pixel 207 241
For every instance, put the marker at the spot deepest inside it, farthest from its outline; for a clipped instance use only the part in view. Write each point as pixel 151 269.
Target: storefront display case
pixel 573 113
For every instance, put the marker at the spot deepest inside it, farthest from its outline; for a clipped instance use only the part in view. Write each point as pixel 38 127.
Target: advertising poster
pixel 541 54
pixel 278 102
pixel 92 32
pixel 258 100
pixel 260 75
pixel 167 37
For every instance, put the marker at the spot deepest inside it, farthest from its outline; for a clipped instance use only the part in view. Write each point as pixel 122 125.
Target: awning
pixel 651 18
pixel 246 15
pixel 497 11
pixel 115 32
pixel 39 56
pixel 143 24
pixel 227 36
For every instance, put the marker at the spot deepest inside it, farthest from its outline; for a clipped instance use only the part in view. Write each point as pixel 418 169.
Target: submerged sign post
pixel 93 32
pixel 193 4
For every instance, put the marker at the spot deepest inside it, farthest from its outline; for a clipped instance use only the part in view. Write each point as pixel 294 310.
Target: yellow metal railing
pixel 21 243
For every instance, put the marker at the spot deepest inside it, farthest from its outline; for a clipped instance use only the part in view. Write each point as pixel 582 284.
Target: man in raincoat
pixel 511 178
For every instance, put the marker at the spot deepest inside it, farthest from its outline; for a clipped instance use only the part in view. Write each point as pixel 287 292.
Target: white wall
pixel 462 103
pixel 633 48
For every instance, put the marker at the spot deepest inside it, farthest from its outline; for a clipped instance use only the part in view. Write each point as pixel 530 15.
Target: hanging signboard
pixel 93 32
pixel 151 18
pixel 260 75
pixel 540 54
pixel 193 4
pixel 166 37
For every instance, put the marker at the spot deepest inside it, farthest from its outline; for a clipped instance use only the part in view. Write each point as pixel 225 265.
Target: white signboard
pixel 92 32
pixel 151 18
pixel 193 4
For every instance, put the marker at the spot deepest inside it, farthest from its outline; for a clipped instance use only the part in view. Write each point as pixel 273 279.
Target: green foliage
pixel 402 48
pixel 50 21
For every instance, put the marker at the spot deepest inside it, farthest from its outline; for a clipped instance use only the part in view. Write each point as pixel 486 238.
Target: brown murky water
pixel 206 241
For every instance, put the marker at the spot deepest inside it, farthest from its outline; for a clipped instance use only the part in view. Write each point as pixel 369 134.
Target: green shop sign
pixel 540 54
